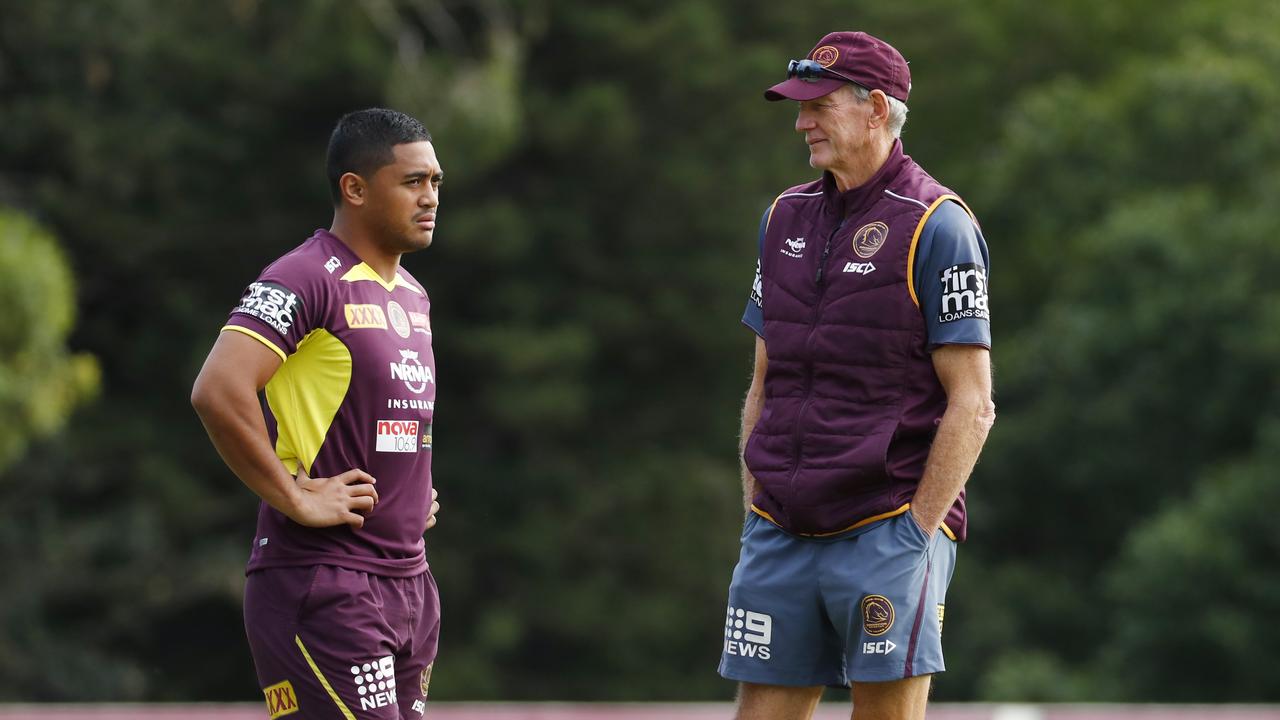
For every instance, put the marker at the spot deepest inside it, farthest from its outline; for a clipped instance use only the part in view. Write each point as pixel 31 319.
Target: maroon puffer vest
pixel 851 397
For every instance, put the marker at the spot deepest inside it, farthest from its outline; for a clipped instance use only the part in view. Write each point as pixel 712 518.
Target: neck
pixel 863 167
pixel 361 242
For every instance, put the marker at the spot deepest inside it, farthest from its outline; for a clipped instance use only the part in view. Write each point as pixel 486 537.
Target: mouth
pixel 811 143
pixel 426 221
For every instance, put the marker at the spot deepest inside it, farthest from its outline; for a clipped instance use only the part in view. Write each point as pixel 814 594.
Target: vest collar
pixel 856 200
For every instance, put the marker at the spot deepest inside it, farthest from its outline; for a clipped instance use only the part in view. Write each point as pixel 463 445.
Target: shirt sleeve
pixel 753 316
pixel 279 308
pixel 951 276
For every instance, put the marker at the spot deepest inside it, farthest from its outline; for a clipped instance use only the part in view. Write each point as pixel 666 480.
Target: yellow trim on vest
pixel 774 205
pixel 915 238
pixel 866 521
pixel 323 681
pixel 364 272
pixel 305 394
pixel 258 337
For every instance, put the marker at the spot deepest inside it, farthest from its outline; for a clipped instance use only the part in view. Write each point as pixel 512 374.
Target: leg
pixel 893 700
pixel 304 672
pixel 346 634
pixel 776 632
pixel 415 662
pixel 887 597
pixel 776 702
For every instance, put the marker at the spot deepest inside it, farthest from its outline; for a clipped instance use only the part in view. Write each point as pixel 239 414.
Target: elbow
pixel 987 415
pixel 201 397
pixel 976 411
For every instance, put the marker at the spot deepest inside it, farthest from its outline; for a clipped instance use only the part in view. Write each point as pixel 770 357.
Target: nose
pixel 430 197
pixel 804 122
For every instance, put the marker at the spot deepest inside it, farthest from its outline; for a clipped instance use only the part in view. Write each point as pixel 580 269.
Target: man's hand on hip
pixel 337 500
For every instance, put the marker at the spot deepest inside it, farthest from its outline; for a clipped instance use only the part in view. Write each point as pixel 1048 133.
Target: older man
pixel 869 405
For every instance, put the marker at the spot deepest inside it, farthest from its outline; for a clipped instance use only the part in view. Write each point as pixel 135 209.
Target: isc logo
pixel 884 647
pixel 280 700
pixel 859 268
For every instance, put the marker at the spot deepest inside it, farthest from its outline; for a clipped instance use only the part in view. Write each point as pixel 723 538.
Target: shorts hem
pixel 783 679
pixel 891 676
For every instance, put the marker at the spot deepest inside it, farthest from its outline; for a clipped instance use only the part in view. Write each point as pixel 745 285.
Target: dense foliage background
pixel 607 164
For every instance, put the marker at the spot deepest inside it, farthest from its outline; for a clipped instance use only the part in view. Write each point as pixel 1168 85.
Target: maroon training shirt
pixel 356 390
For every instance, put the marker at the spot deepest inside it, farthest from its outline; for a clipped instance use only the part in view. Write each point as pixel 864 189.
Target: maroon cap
pixel 862 58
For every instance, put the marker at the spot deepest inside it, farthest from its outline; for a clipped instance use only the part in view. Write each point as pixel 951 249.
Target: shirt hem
pixel 374 566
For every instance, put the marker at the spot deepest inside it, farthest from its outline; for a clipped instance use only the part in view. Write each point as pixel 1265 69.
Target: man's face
pixel 403 198
pixel 835 128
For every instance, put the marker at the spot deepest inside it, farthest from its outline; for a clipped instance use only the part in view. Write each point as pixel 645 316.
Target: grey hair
pixel 897 108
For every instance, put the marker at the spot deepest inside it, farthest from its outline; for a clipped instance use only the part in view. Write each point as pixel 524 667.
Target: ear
pixel 879 110
pixel 353 189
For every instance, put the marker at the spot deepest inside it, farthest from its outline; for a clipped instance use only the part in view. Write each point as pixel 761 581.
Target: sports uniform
pixel 836 582
pixel 342 622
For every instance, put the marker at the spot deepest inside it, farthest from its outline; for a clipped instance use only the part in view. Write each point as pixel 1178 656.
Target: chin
pixel 417 241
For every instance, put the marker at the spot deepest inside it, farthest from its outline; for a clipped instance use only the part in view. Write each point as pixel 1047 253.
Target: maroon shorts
pixel 334 643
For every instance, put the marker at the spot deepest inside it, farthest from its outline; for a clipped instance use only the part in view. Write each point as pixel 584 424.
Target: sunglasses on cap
pixel 812 71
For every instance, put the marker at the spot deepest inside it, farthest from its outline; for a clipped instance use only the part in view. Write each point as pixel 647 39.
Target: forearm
pixel 956 446
pixel 239 434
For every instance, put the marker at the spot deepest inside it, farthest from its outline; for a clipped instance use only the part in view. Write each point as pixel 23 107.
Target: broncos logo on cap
pixel 826 56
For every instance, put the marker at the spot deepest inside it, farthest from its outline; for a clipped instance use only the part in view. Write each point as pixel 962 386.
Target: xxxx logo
pixel 365 316
pixel 280 699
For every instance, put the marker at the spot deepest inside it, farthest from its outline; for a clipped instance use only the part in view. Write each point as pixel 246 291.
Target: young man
pixel 341 611
pixel 869 405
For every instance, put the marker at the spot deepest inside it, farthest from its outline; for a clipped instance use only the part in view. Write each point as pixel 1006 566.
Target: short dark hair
pixel 363 140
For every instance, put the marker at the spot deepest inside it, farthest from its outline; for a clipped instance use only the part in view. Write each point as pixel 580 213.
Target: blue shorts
pixel 862 606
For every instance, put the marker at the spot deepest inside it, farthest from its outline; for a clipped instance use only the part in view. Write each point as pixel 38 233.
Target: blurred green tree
pixel 1141 360
pixel 40 382
pixel 1193 585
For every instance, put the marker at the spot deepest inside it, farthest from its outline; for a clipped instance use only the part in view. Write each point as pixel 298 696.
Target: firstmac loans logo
pixel 272 303
pixel 748 634
pixel 964 293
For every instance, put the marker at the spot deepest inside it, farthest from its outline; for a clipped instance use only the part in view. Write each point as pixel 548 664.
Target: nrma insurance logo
pixel 415 375
pixel 748 634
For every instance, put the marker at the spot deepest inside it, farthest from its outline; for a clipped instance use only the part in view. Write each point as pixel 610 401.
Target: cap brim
pixel 797 89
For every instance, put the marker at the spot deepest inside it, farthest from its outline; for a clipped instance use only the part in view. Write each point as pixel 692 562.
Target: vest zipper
pixel 808 366
pixel 822 263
